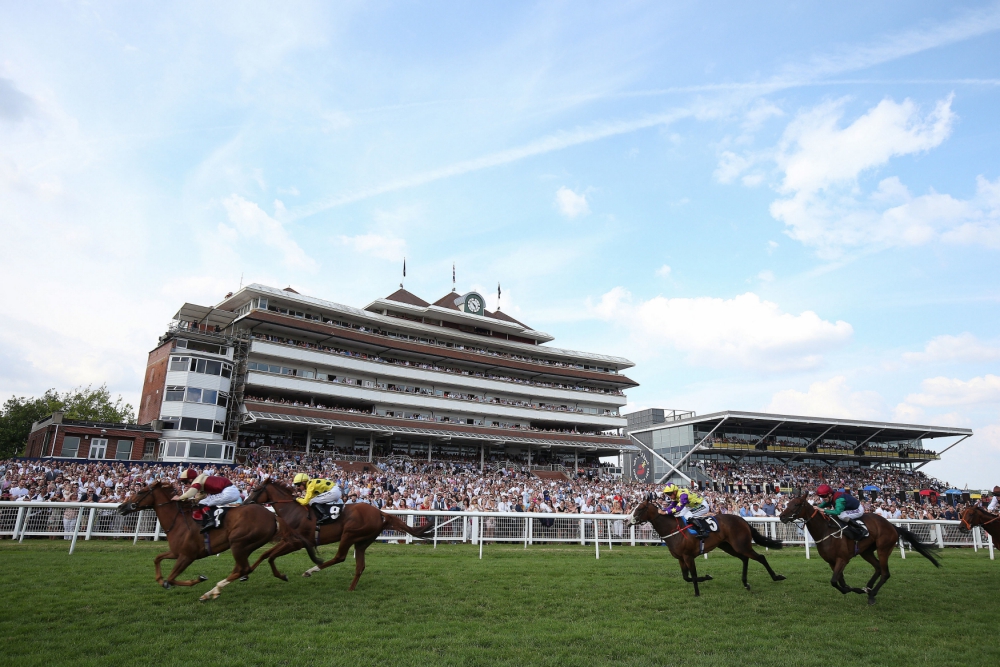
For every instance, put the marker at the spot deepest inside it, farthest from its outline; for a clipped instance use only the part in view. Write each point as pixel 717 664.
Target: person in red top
pixel 208 491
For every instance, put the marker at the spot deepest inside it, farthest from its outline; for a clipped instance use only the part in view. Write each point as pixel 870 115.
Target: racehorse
pixel 838 550
pixel 244 530
pixel 734 536
pixel 359 525
pixel 976 516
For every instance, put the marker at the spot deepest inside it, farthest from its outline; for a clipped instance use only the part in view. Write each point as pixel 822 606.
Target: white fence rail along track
pixel 72 521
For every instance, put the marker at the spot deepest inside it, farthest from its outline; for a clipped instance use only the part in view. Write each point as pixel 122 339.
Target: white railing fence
pixel 101 520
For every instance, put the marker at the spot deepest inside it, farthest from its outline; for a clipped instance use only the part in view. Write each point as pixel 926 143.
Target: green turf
pixel 548 605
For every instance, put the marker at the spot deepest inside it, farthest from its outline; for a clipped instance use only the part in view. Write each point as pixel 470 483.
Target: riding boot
pixel 860 529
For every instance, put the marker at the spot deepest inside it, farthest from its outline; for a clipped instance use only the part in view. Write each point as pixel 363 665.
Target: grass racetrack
pixel 547 605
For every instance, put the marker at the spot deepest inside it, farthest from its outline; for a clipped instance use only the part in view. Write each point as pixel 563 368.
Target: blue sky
pixel 780 206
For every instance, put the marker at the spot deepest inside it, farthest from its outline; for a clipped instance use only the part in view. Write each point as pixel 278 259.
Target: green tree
pixel 83 404
pixel 95 405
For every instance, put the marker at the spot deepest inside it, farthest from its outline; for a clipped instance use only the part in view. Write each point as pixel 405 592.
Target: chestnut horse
pixel 244 530
pixel 837 550
pixel 734 536
pixel 359 525
pixel 977 516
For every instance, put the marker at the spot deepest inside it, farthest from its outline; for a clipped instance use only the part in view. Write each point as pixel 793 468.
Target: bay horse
pixel 244 530
pixel 735 537
pixel 359 525
pixel 976 516
pixel 838 550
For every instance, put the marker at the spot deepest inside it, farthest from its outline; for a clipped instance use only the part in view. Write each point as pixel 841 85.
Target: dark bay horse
pixel 837 550
pixel 359 525
pixel 976 516
pixel 735 537
pixel 244 530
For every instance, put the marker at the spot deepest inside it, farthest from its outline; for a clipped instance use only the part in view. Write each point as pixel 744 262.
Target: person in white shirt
pixel 757 511
pixel 995 501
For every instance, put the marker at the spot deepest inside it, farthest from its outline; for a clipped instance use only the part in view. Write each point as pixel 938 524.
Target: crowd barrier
pixel 101 520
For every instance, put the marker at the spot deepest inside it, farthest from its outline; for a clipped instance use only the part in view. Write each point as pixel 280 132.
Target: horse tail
pixel 394 522
pixel 763 540
pixel 922 548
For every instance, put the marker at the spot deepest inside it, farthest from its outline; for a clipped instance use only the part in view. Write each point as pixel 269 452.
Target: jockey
pixel 318 492
pixel 208 491
pixel 843 506
pixel 688 505
pixel 995 501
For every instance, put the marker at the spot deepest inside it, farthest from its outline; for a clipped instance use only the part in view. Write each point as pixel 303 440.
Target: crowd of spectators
pixel 748 490
pixel 319 405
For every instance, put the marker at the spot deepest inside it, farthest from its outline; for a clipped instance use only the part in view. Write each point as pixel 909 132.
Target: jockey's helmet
pixel 670 489
pixel 996 490
pixel 823 490
pixel 189 475
pixel 301 478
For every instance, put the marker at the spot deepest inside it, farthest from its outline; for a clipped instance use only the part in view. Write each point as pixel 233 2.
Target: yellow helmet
pixel 301 478
pixel 670 489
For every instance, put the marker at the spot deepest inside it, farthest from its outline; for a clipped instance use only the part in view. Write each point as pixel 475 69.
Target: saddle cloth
pixel 327 513
pixel 708 521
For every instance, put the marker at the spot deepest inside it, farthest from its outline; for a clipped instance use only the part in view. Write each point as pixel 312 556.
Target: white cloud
pixel 663 271
pixel 570 204
pixel 743 331
pixel 814 153
pixel 823 204
pixel 249 221
pixel 766 276
pixel 832 398
pixel 943 391
pixel 964 347
pixel 377 245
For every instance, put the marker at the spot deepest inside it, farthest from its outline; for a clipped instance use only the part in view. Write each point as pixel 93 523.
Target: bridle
pixel 967 525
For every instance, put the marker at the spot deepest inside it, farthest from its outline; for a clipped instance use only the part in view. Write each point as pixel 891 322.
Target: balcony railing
pixel 273 340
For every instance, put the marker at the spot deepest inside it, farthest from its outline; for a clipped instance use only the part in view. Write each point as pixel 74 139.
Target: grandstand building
pixel 400 377
pixel 672 442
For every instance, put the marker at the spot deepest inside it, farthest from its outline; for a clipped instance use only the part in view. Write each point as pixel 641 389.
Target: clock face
pixel 473 304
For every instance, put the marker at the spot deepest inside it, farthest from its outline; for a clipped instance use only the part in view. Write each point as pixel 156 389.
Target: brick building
pixel 58 437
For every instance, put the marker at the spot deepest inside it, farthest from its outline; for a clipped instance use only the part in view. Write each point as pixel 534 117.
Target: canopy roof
pixel 206 315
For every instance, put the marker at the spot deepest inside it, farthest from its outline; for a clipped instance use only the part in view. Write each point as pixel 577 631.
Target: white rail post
pixel 583 534
pixel 902 548
pixel 24 524
pixel 527 521
pixel 90 523
pixel 76 530
pixel 989 539
pixel 17 522
pixel 632 531
pixel 940 535
pixel 597 542
pixel 138 522
pixel 156 532
pixel 435 531
pixel 805 533
pixel 975 539
pixel 409 522
pixel 610 547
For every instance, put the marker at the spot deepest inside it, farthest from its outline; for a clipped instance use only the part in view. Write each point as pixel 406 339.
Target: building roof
pixel 402 296
pixel 830 428
pixel 539 350
pixel 206 315
pixel 448 301
pixel 500 315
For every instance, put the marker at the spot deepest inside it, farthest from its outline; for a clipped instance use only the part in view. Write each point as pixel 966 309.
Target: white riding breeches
pixel 333 496
pixel 229 495
pixel 702 510
pixel 847 515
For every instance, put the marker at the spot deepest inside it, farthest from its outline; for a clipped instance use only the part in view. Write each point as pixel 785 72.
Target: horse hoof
pixel 866 590
pixel 780 577
pixel 202 577
pixel 284 577
pixel 244 577
pixel 707 577
pixel 871 601
pixel 746 586
pixel 166 585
